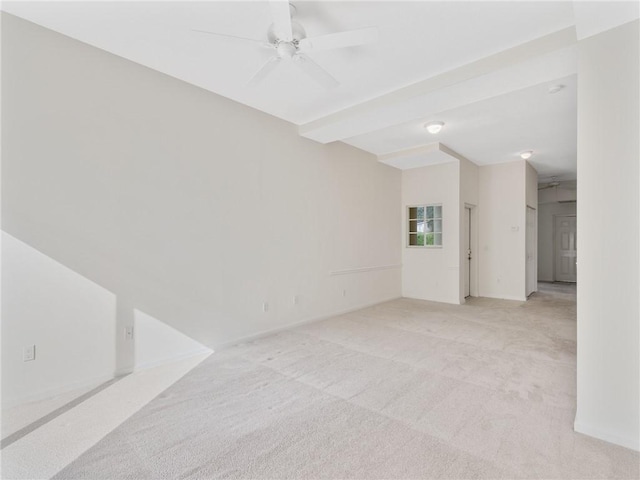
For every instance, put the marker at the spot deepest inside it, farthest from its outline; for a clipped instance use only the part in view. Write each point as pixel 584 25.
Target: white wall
pixel 433 273
pixel 500 194
pixel 608 371
pixel 187 206
pixel 531 192
pixel 546 219
pixel 157 343
pixel 531 200
pixel 469 196
pixel 69 319
pixel 502 230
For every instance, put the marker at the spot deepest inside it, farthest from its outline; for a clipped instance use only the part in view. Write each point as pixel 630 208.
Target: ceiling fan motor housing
pixel 298 34
pixel 286 49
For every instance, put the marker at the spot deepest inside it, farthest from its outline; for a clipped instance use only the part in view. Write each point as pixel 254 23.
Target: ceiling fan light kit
pixel 552 184
pixel 289 40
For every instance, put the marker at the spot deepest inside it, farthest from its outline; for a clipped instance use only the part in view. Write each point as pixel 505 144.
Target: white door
pixel 565 249
pixel 467 249
pixel 532 240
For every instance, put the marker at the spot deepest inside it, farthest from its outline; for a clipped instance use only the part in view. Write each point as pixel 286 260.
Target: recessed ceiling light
pixel 526 155
pixel 434 127
pixel 555 88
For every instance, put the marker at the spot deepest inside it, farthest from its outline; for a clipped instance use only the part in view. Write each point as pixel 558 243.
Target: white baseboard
pixel 505 297
pixel 271 331
pixel 54 392
pixel 447 302
pixel 175 358
pixel 590 430
pixel 123 371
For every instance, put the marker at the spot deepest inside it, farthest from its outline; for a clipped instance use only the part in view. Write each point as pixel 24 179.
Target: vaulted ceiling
pixel 483 68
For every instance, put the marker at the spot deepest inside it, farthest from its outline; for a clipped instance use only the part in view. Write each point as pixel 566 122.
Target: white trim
pixel 422 299
pixel 473 245
pixel 366 269
pixel 60 390
pixel 289 326
pixel 123 371
pixel 585 429
pixel 507 297
pixel 535 251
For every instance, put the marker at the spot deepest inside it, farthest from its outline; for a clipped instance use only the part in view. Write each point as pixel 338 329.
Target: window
pixel 425 226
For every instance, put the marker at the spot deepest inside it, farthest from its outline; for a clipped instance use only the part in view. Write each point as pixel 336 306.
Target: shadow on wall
pixel 156 342
pixel 73 324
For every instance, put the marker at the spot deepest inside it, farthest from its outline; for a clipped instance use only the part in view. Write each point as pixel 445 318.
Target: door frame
pixel 555 243
pixel 534 246
pixel 473 242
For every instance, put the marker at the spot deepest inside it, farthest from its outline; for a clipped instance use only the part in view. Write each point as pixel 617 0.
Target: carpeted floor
pixel 406 389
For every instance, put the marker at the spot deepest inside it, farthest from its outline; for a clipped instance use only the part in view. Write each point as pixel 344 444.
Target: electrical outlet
pixel 265 307
pixel 344 293
pixel 29 353
pixel 296 299
pixel 128 333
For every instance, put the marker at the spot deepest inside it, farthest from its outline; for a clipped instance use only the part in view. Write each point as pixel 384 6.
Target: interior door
pixel 467 249
pixel 565 249
pixel 532 263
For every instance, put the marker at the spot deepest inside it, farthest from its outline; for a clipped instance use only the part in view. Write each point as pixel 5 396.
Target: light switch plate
pixel 128 333
pixel 29 353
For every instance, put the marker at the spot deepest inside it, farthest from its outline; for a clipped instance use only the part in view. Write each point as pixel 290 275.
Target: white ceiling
pixel 498 129
pixel 431 154
pixel 491 114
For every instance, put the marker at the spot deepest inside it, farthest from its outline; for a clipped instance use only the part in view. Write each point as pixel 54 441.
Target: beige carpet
pixel 406 389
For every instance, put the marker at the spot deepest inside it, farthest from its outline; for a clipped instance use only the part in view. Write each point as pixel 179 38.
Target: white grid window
pixel 425 226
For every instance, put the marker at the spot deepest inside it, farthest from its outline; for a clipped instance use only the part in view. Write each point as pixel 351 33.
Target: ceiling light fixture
pixel 434 127
pixel 526 155
pixel 555 88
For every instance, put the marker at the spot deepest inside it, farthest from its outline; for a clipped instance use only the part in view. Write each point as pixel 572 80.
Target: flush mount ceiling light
pixel 555 88
pixel 434 127
pixel 526 155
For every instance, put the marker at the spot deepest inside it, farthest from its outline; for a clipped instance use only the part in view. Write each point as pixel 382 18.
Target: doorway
pixel 467 249
pixel 531 247
pixel 468 261
pixel 565 249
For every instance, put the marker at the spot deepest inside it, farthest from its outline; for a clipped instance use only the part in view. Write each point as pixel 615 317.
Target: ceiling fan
pixel 551 184
pixel 289 40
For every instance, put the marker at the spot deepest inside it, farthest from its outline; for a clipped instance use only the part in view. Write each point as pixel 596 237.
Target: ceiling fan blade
pixel 230 36
pixel 281 19
pixel 349 38
pixel 264 71
pixel 315 71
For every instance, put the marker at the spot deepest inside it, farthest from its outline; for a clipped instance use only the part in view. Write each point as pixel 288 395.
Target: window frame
pixel 409 220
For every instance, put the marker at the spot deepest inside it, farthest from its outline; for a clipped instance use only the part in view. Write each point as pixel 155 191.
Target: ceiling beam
pixel 543 59
pixel 422 156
